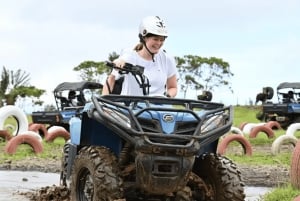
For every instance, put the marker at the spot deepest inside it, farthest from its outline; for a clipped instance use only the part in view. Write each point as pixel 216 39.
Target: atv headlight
pixel 118 116
pixel 212 123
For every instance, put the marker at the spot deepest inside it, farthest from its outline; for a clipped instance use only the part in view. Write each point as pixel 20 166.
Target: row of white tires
pixel 253 128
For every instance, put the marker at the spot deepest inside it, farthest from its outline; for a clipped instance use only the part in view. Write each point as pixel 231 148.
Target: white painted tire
pixel 247 128
pixel 57 131
pixel 18 114
pixel 54 128
pixel 34 134
pixel 292 129
pixel 281 140
pixel 236 130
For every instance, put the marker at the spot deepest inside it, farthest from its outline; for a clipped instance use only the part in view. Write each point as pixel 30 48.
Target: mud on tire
pixel 64 163
pixel 95 175
pixel 221 176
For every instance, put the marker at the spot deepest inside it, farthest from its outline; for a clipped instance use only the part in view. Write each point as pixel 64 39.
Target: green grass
pixel 51 150
pixel 258 157
pixel 284 193
pixel 245 114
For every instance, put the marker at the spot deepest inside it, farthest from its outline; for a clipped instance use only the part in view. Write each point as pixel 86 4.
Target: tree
pixel 112 56
pixel 201 73
pixel 4 83
pixel 19 78
pixel 196 73
pixel 25 91
pixel 15 84
pixel 90 70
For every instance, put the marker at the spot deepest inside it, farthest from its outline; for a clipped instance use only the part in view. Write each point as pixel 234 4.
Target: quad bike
pixel 149 148
pixel 64 109
pixel 286 110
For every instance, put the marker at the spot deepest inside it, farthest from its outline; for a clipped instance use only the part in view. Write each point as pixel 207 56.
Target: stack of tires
pixel 21 132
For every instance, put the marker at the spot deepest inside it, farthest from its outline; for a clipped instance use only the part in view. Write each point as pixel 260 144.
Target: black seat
pixel 80 100
pixel 63 102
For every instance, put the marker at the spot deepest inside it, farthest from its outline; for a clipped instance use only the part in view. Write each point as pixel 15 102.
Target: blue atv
pixel 70 98
pixel 286 110
pixel 149 148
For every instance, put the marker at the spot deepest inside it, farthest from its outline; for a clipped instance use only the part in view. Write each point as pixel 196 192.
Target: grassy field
pixel 242 114
pixel 248 114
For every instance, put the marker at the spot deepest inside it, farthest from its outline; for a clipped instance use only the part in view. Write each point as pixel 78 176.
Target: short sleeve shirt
pixel 157 72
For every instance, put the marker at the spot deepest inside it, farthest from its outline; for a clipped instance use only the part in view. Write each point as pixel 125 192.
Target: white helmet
pixel 153 25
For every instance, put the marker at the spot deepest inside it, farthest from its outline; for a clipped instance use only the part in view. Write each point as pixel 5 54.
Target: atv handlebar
pixel 136 71
pixel 127 68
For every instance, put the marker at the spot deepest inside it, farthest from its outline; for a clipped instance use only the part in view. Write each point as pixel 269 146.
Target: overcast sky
pixel 259 39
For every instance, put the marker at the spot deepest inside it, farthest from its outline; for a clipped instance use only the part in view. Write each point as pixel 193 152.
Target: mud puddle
pixel 12 183
pixel 255 193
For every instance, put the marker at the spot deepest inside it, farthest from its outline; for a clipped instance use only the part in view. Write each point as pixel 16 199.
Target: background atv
pixel 150 148
pixel 287 110
pixel 81 94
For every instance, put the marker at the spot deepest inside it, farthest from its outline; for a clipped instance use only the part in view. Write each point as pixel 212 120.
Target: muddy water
pixel 12 182
pixel 255 193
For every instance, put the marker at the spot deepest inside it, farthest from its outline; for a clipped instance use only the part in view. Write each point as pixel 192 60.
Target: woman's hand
pixel 119 63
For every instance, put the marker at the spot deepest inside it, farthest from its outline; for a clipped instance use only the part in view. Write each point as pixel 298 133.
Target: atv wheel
pixel 216 178
pixel 269 92
pixel 95 176
pixel 64 164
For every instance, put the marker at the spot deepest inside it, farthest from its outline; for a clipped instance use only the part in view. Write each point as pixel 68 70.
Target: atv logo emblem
pixel 168 118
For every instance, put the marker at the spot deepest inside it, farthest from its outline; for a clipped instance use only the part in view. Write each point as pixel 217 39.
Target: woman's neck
pixel 145 54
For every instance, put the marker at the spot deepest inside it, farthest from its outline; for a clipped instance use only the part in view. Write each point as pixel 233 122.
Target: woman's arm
pixel 110 81
pixel 172 86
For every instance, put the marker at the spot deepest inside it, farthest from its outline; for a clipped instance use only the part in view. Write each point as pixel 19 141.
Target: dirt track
pixel 263 175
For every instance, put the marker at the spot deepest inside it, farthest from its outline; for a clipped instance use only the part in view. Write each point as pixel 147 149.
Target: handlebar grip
pixel 110 64
pixel 135 69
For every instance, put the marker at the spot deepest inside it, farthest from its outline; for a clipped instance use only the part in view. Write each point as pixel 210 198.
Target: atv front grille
pixel 150 125
pixel 186 128
pixel 179 128
pixel 161 122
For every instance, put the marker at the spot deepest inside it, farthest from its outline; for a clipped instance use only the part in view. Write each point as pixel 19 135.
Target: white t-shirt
pixel 157 72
